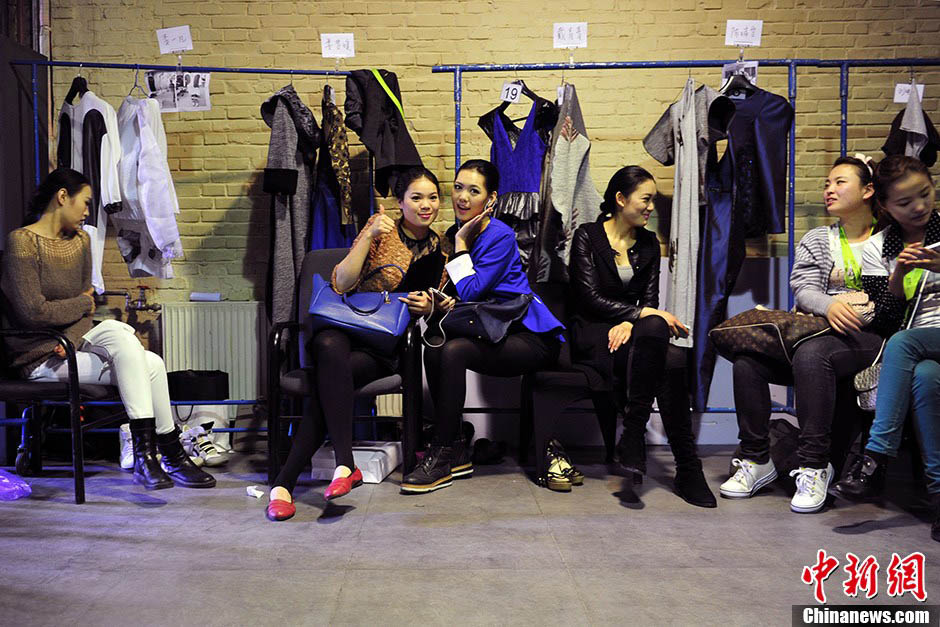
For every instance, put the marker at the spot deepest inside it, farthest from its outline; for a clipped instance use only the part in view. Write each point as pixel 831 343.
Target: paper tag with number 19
pixel 512 92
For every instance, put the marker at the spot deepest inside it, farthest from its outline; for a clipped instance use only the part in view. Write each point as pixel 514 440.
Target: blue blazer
pixel 492 269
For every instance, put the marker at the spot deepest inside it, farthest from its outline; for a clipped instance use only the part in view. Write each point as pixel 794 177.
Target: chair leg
pixel 78 454
pixel 607 419
pixel 33 443
pixel 274 433
pixel 526 425
pixel 412 409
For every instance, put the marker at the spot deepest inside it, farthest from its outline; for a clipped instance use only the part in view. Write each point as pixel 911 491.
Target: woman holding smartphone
pixel 485 266
pixel 897 261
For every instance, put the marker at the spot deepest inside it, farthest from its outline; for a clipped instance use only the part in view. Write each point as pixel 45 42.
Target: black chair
pixel 287 377
pixel 548 393
pixel 18 391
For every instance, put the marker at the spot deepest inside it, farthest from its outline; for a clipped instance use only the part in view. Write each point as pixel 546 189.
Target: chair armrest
pixel 275 338
pixel 410 353
pixel 59 337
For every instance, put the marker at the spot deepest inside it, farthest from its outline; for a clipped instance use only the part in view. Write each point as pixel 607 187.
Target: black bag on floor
pixel 198 385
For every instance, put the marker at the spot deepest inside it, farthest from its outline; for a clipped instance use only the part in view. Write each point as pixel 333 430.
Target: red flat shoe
pixel 342 485
pixel 280 510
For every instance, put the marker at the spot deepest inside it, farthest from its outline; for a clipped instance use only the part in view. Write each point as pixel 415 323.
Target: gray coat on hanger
pixel 289 178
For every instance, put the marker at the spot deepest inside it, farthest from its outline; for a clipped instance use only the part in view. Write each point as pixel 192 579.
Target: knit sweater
pixel 812 279
pixel 43 280
pixel 388 249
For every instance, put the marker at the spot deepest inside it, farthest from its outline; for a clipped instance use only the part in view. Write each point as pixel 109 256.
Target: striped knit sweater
pixel 810 279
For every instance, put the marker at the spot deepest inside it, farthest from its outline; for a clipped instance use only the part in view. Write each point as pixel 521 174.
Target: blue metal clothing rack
pixel 144 66
pixel 790 64
pixel 167 68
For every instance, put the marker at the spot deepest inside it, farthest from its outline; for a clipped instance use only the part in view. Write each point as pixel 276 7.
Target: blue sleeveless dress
pixel 520 177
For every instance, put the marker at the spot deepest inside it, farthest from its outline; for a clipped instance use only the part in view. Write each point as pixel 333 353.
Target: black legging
pixel 818 365
pixel 647 366
pixel 337 370
pixel 446 367
pixel 641 362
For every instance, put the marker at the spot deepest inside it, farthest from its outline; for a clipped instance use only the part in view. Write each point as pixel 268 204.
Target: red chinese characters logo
pixel 817 574
pixel 862 576
pixel 907 575
pixel 903 575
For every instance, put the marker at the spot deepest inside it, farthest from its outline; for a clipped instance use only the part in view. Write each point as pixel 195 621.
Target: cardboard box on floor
pixel 376 460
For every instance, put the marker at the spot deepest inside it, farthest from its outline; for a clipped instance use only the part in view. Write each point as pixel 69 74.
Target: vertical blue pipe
pixel 791 182
pixel 844 97
pixel 458 96
pixel 791 199
pixel 35 77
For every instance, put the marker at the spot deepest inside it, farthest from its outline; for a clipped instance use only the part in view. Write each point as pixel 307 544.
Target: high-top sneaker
pixel 127 447
pixel 461 467
pixel 433 473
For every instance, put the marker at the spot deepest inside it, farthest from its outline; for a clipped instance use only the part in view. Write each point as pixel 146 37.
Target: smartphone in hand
pixel 437 295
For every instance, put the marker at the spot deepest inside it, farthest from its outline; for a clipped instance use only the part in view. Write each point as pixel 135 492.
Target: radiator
pixel 229 336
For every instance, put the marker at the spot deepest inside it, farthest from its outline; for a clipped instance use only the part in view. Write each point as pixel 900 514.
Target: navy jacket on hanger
pixel 746 194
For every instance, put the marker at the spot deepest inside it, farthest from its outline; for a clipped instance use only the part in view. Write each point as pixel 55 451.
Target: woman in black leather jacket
pixel 621 338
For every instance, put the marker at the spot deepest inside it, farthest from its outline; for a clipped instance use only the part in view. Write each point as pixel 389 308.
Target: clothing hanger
pixel 79 87
pixel 137 84
pixel 528 93
pixel 738 82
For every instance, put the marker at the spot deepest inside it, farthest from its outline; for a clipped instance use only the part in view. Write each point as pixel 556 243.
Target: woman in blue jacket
pixel 485 266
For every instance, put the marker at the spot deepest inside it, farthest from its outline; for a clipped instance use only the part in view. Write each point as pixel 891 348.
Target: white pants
pixel 112 355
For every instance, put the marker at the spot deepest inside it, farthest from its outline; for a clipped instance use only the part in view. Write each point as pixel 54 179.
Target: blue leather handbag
pixel 377 319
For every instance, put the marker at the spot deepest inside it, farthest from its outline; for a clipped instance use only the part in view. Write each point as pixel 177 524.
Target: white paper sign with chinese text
pixel 337 45
pixel 902 92
pixel 743 33
pixel 512 92
pixel 174 40
pixel 570 34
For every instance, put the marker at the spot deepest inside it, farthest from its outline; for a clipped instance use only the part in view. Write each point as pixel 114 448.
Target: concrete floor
pixel 495 549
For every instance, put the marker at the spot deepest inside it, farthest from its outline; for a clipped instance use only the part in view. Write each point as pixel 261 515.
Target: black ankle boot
pixel 178 465
pixel 147 470
pixel 691 486
pixel 865 481
pixel 632 447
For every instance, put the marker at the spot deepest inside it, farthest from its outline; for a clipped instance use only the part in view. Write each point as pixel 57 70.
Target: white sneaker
pixel 197 443
pixel 748 479
pixel 127 447
pixel 812 485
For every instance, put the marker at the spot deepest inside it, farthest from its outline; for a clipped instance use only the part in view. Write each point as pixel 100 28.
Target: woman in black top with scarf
pixel 621 338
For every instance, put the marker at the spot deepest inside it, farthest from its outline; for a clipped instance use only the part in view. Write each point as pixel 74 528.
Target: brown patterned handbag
pixel 768 333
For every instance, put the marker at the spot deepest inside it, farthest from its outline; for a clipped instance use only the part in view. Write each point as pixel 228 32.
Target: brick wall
pixel 217 157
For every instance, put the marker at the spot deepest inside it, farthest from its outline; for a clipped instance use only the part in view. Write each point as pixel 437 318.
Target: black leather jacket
pixel 599 294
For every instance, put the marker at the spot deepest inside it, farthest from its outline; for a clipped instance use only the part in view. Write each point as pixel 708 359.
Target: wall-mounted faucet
pixel 140 304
